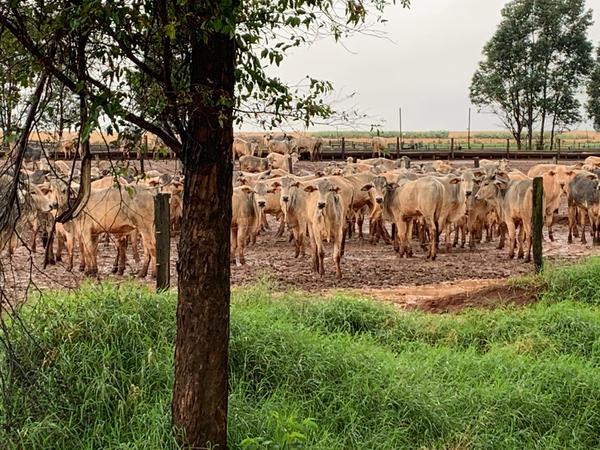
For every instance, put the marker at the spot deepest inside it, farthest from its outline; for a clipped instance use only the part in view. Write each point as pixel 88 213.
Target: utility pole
pixel 400 123
pixel 469 131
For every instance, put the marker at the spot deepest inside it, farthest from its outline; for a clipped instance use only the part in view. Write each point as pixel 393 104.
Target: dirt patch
pixel 441 298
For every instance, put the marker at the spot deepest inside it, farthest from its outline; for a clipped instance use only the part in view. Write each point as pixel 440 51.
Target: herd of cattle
pixel 402 202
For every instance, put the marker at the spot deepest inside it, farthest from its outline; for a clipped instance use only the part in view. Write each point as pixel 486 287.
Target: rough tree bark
pixel 200 390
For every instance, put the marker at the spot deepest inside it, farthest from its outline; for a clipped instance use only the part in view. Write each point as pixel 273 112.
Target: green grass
pixel 335 373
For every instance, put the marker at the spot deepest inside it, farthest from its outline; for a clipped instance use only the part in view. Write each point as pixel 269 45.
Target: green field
pixel 334 373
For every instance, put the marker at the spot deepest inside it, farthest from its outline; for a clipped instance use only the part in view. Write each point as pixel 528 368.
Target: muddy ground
pixel 374 270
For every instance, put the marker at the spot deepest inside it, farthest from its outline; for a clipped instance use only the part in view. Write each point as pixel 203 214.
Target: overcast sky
pixel 425 65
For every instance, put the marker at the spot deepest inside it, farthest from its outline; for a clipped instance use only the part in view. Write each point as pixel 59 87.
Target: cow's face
pixel 470 180
pixel 491 185
pixel 325 192
pixel 261 192
pixel 39 201
pixel 378 189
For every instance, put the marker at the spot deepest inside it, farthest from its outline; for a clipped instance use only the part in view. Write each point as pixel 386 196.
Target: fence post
pixel 476 162
pixel 558 148
pixel 537 222
pixel 451 144
pixel 162 224
pixel 291 164
pixel 508 149
pixel 343 149
pixel 397 146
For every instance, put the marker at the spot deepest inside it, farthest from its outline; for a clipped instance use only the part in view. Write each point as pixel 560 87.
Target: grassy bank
pixel 334 373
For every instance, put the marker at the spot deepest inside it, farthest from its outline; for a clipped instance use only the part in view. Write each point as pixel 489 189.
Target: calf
pixel 244 221
pixel 293 205
pixel 328 206
pixel 513 202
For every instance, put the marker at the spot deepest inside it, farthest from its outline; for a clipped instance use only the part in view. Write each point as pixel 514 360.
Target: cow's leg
pixel 83 258
pixel 463 235
pixel 456 231
pixel 572 222
pixel 281 227
pixel 582 222
pixel 447 236
pixel 233 250
pixel 70 246
pixel 91 254
pixel 359 222
pixel 60 246
pixel 243 231
pixel 434 235
pixel 134 237
pixel 520 239
pixel 338 245
pixel 34 232
pixel 576 222
pixel 528 241
pixel 119 243
pixel 502 229
pixel 512 238
pixel 549 223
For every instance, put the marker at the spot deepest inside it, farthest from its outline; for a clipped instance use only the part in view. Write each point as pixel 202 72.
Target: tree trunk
pixel 200 392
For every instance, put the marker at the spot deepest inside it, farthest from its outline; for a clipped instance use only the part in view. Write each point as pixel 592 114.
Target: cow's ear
pixel 246 189
pixel 579 165
pixel 367 187
pixel 570 172
pixel 275 184
pixel 335 189
pixel 455 180
pixel 393 185
pixel 592 176
pixel 478 174
pixel 319 174
pixel 551 173
pixel 310 188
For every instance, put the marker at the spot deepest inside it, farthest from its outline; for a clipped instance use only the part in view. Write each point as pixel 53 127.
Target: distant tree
pixel 593 91
pixel 16 77
pixel 534 67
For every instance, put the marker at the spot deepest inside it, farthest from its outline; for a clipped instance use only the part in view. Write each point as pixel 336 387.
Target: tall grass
pixel 335 373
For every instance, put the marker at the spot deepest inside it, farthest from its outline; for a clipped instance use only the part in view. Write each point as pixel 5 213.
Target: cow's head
pixel 491 185
pixel 378 189
pixel 286 186
pixel 324 190
pixel 470 180
pixel 261 191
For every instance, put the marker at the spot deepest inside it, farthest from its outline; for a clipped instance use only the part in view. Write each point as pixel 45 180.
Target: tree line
pixel 536 68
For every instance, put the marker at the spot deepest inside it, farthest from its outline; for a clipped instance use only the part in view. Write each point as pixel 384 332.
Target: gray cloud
pixel 425 64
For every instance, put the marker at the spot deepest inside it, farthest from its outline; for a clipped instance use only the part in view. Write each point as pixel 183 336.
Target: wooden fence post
pixel 476 162
pixel 291 164
pixel 343 149
pixel 537 222
pixel 397 147
pixel 508 149
pixel 162 224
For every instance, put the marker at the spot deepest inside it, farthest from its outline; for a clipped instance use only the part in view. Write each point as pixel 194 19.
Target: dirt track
pixel 372 269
